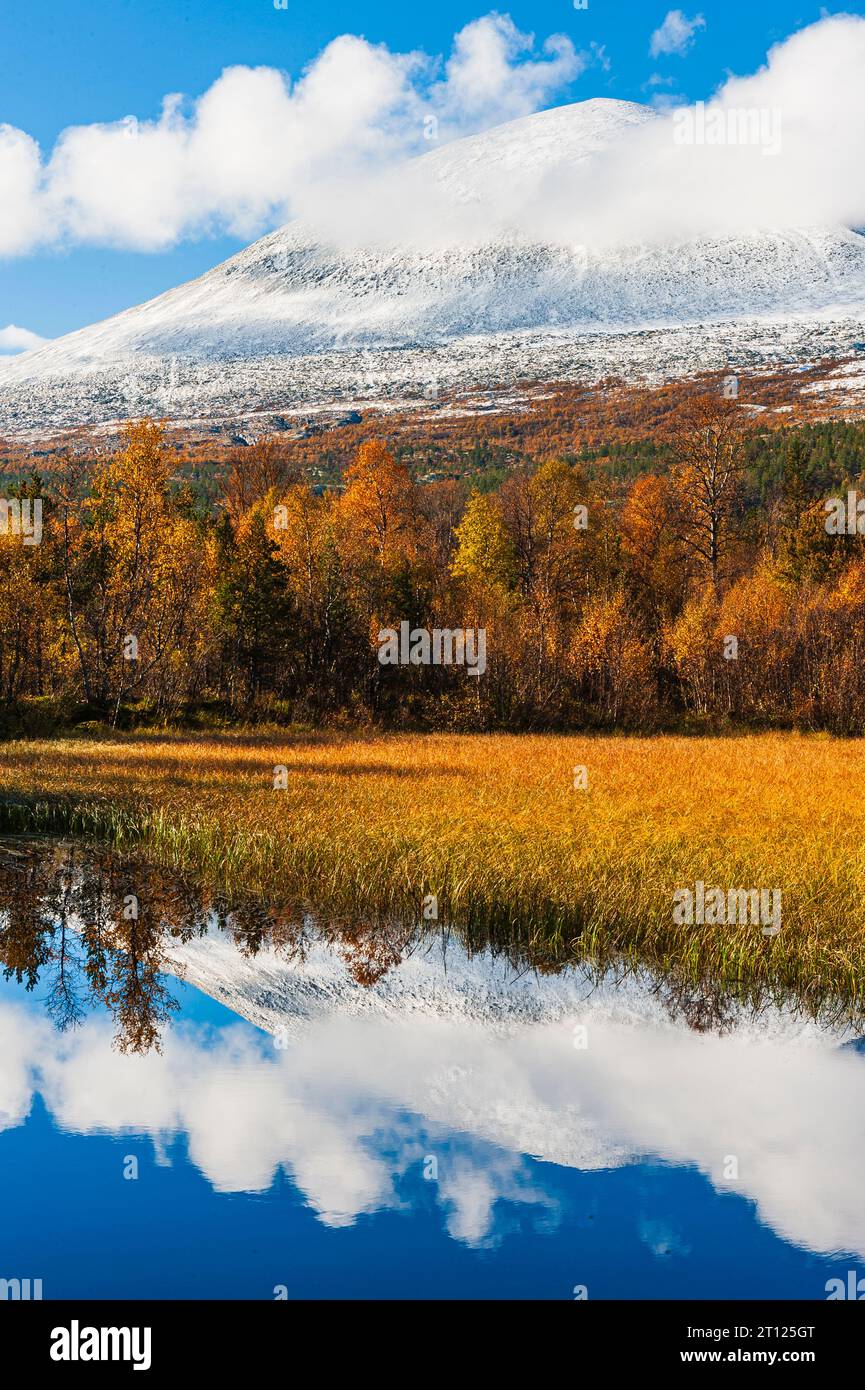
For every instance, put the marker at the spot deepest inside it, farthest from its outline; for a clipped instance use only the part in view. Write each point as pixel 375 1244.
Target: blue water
pixel 349 1212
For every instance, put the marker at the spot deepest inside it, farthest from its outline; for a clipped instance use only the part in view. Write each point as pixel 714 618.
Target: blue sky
pixel 89 61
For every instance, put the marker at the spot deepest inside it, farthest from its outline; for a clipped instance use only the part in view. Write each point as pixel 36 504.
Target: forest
pixel 690 582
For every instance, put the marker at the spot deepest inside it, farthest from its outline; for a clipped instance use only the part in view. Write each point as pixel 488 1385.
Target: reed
pixel 493 827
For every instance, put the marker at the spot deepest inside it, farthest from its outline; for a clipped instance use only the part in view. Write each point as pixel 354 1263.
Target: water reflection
pixel 92 929
pixel 374 1050
pixel 353 1103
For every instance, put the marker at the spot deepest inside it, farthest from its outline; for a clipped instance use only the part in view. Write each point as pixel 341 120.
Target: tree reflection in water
pixel 90 928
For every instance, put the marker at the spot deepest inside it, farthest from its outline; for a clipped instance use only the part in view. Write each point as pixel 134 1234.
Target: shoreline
pixel 487 834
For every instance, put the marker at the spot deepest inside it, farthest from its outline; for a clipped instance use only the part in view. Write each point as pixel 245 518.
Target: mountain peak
pixel 302 317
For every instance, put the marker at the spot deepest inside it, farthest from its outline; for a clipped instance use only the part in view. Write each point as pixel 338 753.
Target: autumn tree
pixel 708 447
pixel 377 512
pixel 549 517
pixel 656 559
pixel 613 662
pixel 253 472
pixel 484 552
pixel 29 613
pixel 381 539
pixel 331 647
pixel 130 565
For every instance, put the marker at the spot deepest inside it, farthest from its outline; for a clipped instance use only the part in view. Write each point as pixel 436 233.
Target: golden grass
pixel 493 826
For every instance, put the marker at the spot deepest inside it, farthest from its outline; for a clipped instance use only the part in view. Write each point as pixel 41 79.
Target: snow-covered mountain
pixel 303 317
pixel 349 1085
pixel 471 1046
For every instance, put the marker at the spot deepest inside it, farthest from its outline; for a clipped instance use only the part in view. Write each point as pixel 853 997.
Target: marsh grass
pixel 493 826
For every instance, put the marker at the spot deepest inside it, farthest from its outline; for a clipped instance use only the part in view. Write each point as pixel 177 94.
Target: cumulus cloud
pixel 15 339
pixel 489 72
pixel 676 34
pixel 782 148
pixel 356 1102
pixel 246 154
pixel 20 175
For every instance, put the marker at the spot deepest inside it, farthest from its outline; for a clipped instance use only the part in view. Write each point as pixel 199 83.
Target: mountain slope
pixel 299 311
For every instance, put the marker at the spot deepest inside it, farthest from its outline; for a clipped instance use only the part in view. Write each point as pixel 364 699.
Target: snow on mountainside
pixel 452 1057
pixel 297 320
pixel 469 1045
pixel 439 979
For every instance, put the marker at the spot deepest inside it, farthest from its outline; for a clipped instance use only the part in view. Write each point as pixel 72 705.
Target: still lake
pixel 205 1106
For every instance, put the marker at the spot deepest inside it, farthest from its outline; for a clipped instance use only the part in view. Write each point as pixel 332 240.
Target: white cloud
pixel 351 1091
pixel 489 76
pixel 20 212
pixel 255 150
pixel 599 53
pixel 676 34
pixel 805 169
pixel 15 339
pixel 248 153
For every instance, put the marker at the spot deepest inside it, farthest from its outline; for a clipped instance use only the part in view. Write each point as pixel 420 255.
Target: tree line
pixel 700 593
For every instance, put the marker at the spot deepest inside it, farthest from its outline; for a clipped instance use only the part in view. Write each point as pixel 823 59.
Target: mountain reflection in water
pixel 91 928
pixel 590 1122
